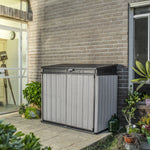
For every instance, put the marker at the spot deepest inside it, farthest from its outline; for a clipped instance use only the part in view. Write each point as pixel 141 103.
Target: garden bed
pixel 107 143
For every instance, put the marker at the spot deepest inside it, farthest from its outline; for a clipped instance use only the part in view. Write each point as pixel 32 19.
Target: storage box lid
pixel 99 69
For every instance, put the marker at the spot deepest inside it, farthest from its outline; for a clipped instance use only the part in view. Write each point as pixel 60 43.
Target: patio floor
pixel 58 137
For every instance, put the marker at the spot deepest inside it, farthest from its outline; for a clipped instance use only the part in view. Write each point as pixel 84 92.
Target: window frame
pixel 132 18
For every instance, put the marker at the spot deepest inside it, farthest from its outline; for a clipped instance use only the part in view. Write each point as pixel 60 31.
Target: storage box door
pixel 54 98
pixel 105 100
pixel 80 100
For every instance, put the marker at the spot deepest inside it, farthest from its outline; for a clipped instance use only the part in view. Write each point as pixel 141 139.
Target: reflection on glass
pixel 141 40
pixel 10 77
pixel 14 4
pixel 11 48
pixel 24 82
pixel 24 49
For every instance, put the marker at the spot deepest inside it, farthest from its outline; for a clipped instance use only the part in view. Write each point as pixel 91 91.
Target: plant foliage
pixel 145 120
pixel 32 93
pixel 129 110
pixel 142 71
pixel 22 108
pixel 12 140
pixel 31 113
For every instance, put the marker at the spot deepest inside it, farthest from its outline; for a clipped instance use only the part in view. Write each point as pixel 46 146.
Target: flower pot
pixel 130 146
pixel 148 140
pixel 147 102
pixel 142 103
pixel 129 139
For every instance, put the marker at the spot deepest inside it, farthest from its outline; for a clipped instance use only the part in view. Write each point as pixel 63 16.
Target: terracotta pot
pixel 129 139
pixel 35 106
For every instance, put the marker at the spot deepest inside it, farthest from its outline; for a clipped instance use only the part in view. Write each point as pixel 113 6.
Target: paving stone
pixel 58 137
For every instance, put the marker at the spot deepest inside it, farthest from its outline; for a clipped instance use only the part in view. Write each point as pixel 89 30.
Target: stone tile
pixel 58 137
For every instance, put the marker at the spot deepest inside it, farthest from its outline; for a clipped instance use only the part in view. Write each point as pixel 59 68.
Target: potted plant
pixel 32 113
pixel 129 110
pixel 22 109
pixel 145 121
pixel 143 72
pixel 147 133
pixel 146 97
pixel 32 93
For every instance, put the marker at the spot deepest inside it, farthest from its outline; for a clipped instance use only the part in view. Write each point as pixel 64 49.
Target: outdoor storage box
pixel 79 95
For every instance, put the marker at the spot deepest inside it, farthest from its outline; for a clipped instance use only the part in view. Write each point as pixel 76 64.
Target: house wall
pixel 80 31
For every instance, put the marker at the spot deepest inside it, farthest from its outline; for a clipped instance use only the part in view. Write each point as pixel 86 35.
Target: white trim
pixel 11 28
pixel 141 16
pixel 139 4
pixel 27 63
pixel 148 53
pixel 13 77
pixel 13 68
pixel 131 47
pixel 20 65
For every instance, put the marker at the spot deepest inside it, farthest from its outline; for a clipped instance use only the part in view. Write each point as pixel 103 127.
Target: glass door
pixel 13 66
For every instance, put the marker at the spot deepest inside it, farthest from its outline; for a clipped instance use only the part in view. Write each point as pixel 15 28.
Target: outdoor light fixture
pixel 12 35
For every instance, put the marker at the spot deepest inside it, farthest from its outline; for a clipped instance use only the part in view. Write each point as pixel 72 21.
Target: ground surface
pixel 8 108
pixel 59 138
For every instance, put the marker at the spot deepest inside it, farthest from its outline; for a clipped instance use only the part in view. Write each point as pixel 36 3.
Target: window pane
pixel 141 40
pixel 11 3
pixel 14 4
pixel 24 6
pixel 142 10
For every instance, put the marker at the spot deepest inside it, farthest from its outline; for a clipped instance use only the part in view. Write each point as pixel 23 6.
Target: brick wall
pixel 80 31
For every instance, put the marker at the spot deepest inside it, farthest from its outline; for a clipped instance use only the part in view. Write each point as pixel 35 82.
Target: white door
pixel 54 98
pixel 80 100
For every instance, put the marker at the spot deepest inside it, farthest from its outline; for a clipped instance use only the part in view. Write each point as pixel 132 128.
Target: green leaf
pixel 140 86
pixel 139 73
pixel 140 66
pixel 148 67
pixel 139 80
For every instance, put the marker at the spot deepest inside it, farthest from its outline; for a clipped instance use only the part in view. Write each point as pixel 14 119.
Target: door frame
pixel 20 69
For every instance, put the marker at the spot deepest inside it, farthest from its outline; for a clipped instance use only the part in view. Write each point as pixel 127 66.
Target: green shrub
pixel 22 108
pixel 32 93
pixel 12 140
pixel 129 110
pixel 32 143
pixel 32 113
pixel 9 140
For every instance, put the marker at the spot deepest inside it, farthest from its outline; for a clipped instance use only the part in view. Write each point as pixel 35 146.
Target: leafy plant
pixel 12 140
pixel 146 96
pixel 144 120
pixel 129 110
pixel 31 142
pixel 9 140
pixel 22 108
pixel 31 113
pixel 32 93
pixel 134 130
pixel 142 71
pixel 145 131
